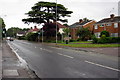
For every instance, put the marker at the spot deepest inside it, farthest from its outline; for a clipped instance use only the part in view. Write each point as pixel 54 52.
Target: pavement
pixel 0 60
pixel 111 51
pixel 12 67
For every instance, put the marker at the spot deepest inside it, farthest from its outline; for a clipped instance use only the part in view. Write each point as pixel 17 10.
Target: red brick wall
pixel 90 25
pixel 74 30
pixel 110 29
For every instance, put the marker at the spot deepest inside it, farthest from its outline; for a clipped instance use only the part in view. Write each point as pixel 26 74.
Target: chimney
pixel 35 27
pixel 80 20
pixel 112 16
pixel 31 28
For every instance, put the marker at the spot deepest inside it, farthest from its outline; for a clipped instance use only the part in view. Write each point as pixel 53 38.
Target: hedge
pixel 104 40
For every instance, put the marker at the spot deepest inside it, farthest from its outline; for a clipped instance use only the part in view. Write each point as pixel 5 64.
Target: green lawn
pixel 90 45
pixel 81 42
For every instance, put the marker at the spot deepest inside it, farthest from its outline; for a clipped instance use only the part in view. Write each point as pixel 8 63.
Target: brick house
pixel 33 30
pixel 61 27
pixel 112 25
pixel 81 24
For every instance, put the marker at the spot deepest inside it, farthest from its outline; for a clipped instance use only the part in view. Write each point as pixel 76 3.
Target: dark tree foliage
pixel 14 30
pixel 44 12
pixel 50 29
pixel 3 24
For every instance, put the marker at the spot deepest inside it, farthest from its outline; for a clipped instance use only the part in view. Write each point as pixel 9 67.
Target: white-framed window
pixel 115 25
pixel 108 24
pixel 114 34
pixel 96 26
pixel 102 25
pixel 97 35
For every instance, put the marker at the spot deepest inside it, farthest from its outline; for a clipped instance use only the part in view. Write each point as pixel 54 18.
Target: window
pixel 114 34
pixel 97 35
pixel 115 25
pixel 108 24
pixel 102 25
pixel 96 27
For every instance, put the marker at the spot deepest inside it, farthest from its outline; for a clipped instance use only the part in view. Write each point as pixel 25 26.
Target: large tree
pixel 44 12
pixel 84 34
pixel 13 31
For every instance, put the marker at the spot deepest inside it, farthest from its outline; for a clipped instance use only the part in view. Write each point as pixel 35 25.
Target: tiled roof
pixel 107 20
pixel 35 29
pixel 78 24
pixel 60 25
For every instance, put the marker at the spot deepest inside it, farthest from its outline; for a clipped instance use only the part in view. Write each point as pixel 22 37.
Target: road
pixel 53 62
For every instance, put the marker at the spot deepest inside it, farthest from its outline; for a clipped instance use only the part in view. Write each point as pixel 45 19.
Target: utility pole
pixel 119 8
pixel 42 35
pixel 56 21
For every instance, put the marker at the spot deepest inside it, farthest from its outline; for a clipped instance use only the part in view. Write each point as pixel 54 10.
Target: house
pixel 21 33
pixel 112 25
pixel 81 24
pixel 60 26
pixel 33 30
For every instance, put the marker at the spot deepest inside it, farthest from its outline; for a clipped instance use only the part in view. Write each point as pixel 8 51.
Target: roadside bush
pixel 113 39
pixel 79 39
pixel 105 39
pixel 102 40
pixel 31 36
pixel 72 40
pixel 22 38
pixel 95 40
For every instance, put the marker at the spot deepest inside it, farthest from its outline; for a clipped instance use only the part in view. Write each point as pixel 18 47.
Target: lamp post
pixel 38 36
pixel 56 21
pixel 42 35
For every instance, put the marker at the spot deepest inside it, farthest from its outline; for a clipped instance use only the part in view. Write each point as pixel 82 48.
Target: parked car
pixel 11 39
pixel 8 38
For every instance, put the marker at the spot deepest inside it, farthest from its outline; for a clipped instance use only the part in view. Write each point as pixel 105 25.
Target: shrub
pixel 95 40
pixel 31 36
pixel 105 39
pixel 72 40
pixel 79 39
pixel 22 38
pixel 106 33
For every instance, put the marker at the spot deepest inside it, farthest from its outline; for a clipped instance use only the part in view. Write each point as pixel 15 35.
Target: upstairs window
pixel 115 25
pixel 109 24
pixel 96 27
pixel 102 25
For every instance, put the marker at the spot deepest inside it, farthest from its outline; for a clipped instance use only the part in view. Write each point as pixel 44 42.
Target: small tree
pixel 66 31
pixel 84 33
pixel 106 33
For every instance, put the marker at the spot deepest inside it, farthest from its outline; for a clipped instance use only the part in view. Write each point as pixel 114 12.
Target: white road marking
pixel 65 55
pixel 35 47
pixel 41 48
pixel 47 50
pixel 102 66
pixel 56 48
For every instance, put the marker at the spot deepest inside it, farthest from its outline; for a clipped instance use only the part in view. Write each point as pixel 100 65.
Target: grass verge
pixel 90 45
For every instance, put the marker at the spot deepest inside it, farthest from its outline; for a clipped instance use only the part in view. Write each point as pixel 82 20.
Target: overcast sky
pixel 13 11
